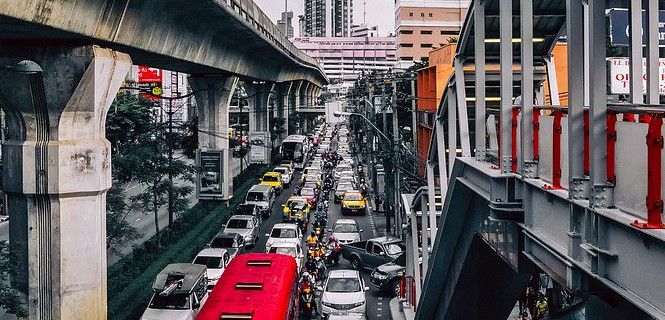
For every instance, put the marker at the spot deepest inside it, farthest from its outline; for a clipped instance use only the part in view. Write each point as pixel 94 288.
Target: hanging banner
pixel 259 151
pixel 210 177
pixel 620 75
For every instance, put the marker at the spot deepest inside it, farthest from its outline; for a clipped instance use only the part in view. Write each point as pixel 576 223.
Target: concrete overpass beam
pixel 213 98
pixel 259 96
pixel 304 90
pixel 57 172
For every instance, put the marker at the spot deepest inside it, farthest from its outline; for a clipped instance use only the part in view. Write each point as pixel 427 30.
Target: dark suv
pixel 386 277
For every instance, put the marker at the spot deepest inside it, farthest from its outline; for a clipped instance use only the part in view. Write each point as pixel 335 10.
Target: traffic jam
pixel 303 245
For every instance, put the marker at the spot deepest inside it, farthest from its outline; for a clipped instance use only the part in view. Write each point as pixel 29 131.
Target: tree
pixel 119 232
pixel 190 137
pixel 129 117
pixel 10 299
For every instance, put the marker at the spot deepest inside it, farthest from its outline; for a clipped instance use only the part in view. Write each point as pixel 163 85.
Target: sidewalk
pixel 398 312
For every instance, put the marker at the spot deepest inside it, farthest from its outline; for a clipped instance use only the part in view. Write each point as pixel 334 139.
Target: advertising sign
pixel 619 30
pixel 148 74
pixel 620 75
pixel 210 178
pixel 259 147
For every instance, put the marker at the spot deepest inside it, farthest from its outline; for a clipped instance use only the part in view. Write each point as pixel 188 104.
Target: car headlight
pixel 379 276
pixel 357 304
pixel 327 304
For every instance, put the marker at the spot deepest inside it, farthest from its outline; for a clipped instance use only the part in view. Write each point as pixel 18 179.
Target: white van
pixel 262 196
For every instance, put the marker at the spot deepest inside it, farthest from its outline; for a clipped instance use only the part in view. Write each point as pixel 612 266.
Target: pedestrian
pixel 377 202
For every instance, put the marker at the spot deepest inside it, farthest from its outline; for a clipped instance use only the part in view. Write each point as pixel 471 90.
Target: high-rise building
pixel 421 25
pixel 363 30
pixel 328 18
pixel 345 59
pixel 301 25
pixel 287 18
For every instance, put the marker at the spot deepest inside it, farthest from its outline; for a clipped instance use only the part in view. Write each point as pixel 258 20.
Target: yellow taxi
pixel 353 202
pixel 273 179
pixel 295 208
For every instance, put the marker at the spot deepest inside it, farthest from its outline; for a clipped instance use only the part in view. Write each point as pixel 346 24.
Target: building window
pixel 429 14
pixel 410 14
pixel 425 45
pixel 406 58
pixel 406 32
pixel 406 45
pixel 422 14
pixel 449 33
pixel 424 59
pixel 425 31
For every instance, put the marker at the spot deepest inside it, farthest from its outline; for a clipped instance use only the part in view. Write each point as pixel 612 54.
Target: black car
pixel 248 209
pixel 386 277
pixel 232 242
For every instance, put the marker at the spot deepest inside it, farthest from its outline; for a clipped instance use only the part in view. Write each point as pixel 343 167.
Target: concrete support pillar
pixel 294 100
pixel 213 98
pixel 304 89
pixel 57 170
pixel 259 96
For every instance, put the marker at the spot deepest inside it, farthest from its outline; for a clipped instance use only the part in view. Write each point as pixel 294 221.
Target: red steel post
pixel 513 139
pixel 654 175
pixel 611 145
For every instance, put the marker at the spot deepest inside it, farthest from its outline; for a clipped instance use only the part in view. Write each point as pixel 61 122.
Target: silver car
pixel 346 231
pixel 246 226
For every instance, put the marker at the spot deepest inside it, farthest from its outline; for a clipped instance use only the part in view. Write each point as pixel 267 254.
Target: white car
pixel 346 231
pixel 288 248
pixel 287 175
pixel 216 259
pixel 246 226
pixel 179 293
pixel 283 232
pixel 343 291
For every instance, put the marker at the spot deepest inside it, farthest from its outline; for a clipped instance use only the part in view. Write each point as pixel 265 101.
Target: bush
pixel 130 279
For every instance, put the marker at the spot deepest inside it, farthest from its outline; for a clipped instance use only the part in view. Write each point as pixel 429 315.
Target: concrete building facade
pixel 327 18
pixel 346 58
pixel 287 18
pixel 421 25
pixel 364 30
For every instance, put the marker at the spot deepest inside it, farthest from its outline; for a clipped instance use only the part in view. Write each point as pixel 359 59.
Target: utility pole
pixel 170 155
pixel 414 117
pixel 396 160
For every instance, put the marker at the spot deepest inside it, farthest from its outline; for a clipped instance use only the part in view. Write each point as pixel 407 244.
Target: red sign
pixel 148 74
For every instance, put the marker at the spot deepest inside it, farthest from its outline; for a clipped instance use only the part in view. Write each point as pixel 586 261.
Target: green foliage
pixel 10 299
pixel 130 280
pixel 190 137
pixel 119 232
pixel 129 118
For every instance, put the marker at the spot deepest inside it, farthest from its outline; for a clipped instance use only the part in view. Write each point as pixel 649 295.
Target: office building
pixel 363 30
pixel 347 58
pixel 328 18
pixel 421 25
pixel 287 19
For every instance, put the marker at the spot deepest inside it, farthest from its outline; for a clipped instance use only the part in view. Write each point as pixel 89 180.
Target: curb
pixel 396 310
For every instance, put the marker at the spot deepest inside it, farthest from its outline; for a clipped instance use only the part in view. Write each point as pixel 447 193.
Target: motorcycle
pixel 333 254
pixel 320 268
pixel 307 303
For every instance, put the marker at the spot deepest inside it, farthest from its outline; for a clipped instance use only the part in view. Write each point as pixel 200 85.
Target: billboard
pixel 259 151
pixel 210 176
pixel 620 75
pixel 619 30
pixel 150 79
pixel 148 74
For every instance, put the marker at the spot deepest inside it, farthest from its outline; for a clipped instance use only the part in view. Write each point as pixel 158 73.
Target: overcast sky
pixel 379 12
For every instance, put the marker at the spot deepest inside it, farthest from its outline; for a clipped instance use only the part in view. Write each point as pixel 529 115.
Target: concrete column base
pixel 56 173
pixel 213 100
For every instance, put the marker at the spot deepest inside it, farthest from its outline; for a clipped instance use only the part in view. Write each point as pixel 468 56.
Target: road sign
pixel 259 148
pixel 210 178
pixel 620 75
pixel 620 32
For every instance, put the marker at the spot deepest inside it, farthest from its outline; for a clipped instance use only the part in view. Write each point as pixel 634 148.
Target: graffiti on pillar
pixel 210 178
pixel 259 147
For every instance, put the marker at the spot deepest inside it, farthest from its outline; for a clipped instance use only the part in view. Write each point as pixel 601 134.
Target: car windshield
pixel 245 209
pixel 353 197
pixel 223 243
pixel 283 233
pixel 283 250
pixel 210 262
pixel 270 178
pixel 345 228
pixel 297 205
pixel 307 192
pixel 310 178
pixel 172 301
pixel 237 224
pixel 343 187
pixel 394 248
pixel 310 184
pixel 343 285
pixel 254 196
pixel 280 170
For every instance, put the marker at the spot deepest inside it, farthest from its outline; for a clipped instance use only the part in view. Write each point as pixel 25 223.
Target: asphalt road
pixel 377 304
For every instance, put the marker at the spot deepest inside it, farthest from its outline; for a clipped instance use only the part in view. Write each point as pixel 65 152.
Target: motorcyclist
pixel 334 248
pixel 307 284
pixel 312 240
pixel 310 266
pixel 307 281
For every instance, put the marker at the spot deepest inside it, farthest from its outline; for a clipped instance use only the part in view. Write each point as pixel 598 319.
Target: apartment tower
pixel 328 18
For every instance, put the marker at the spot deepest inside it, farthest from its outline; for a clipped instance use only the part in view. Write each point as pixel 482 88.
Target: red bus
pixel 257 286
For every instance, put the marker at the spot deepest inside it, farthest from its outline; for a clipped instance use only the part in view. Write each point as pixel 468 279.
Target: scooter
pixel 307 303
pixel 332 255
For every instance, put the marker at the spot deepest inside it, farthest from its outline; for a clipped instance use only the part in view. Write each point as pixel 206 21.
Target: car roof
pixel 231 235
pixel 188 272
pixel 346 221
pixel 296 198
pixel 354 191
pixel 343 274
pixel 386 239
pixel 259 188
pixel 284 244
pixel 241 217
pixel 211 252
pixel 285 226
pixel 272 173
